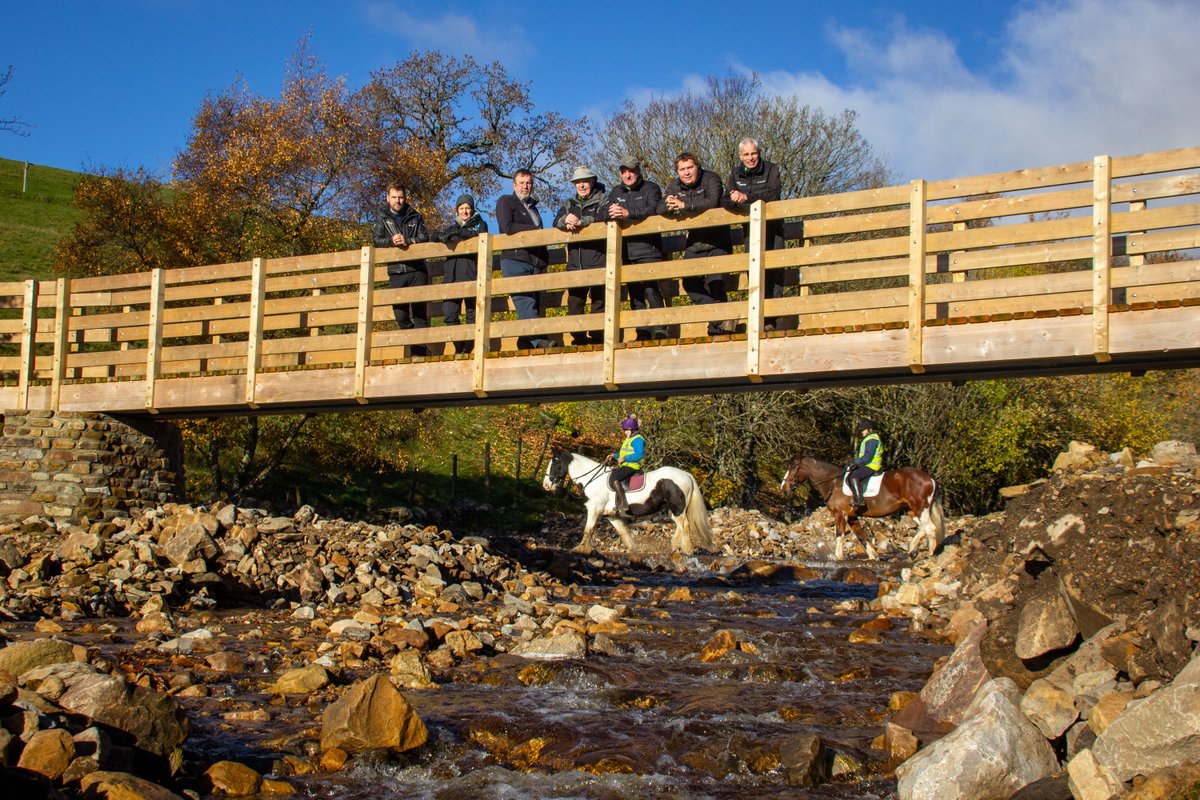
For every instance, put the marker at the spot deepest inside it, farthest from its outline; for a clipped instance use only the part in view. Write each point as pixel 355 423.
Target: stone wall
pixel 70 465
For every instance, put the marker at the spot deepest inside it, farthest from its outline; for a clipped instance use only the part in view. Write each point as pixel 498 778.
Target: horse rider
pixel 868 462
pixel 628 459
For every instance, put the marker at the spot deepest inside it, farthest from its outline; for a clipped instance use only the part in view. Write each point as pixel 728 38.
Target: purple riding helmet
pixel 629 424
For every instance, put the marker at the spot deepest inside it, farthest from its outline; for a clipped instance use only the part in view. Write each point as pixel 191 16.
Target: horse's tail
pixel 696 519
pixel 937 515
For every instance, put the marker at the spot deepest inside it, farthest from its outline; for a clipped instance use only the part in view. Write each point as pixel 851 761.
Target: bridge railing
pixel 1080 238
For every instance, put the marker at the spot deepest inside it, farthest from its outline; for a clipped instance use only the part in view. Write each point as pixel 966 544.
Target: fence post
pixel 28 343
pixel 258 296
pixel 756 250
pixel 1101 254
pixel 62 328
pixel 519 442
pixel 483 311
pixel 612 303
pixel 487 470
pixel 453 477
pixel 916 276
pixel 154 330
pixel 366 310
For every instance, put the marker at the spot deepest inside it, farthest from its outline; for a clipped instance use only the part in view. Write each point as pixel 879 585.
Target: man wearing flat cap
pixel 635 199
pixel 576 214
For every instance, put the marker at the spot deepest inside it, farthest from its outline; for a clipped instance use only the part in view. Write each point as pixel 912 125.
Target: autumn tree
pixel 451 124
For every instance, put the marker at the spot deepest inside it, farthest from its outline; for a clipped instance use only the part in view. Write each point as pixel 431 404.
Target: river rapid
pixel 650 719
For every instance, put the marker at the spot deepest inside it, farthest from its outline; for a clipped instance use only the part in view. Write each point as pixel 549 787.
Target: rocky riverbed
pixel 189 651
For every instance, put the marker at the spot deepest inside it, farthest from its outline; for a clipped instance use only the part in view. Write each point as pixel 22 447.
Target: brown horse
pixel 904 488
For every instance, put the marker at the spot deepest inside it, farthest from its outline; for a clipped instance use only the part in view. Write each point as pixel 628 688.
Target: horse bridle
pixel 588 476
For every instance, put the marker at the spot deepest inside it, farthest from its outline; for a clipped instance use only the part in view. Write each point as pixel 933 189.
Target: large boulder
pixel 991 755
pixel 372 715
pixel 950 690
pixel 123 786
pixel 20 657
pixel 1159 732
pixel 1045 625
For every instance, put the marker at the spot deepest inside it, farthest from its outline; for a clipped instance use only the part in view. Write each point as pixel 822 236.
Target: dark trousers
pixel 577 302
pixel 460 271
pixel 616 478
pixel 646 294
pixel 528 306
pixel 858 480
pixel 409 315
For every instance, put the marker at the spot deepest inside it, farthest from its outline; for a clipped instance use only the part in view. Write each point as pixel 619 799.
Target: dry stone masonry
pixel 68 466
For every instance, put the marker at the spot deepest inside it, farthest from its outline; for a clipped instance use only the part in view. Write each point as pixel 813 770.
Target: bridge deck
pixel 1056 269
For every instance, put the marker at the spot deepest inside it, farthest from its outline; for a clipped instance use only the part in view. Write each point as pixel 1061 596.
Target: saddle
pixel 634 482
pixel 870 490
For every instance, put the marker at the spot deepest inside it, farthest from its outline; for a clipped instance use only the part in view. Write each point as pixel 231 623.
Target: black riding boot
pixel 622 503
pixel 857 488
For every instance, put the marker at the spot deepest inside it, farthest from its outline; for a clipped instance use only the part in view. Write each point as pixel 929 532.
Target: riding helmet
pixel 863 424
pixel 629 424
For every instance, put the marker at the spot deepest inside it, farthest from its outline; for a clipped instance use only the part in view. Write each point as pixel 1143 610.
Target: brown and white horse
pixel 906 488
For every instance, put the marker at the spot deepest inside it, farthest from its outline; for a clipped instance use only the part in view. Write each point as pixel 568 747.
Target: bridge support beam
pixel 71 466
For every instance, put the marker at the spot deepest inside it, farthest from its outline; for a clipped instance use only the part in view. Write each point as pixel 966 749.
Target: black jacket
pixel 701 196
pixel 590 254
pixel 513 217
pixel 760 183
pixel 408 222
pixel 458 231
pixel 641 200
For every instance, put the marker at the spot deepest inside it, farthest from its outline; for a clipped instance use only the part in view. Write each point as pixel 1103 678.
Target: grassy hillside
pixel 31 223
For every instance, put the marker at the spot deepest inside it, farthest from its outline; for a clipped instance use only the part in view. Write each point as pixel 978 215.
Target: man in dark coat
pixel 693 191
pixel 467 224
pixel 635 199
pixel 755 178
pixel 576 214
pixel 399 225
pixel 518 212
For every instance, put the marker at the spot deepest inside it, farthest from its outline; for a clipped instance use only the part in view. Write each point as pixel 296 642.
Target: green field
pixel 33 222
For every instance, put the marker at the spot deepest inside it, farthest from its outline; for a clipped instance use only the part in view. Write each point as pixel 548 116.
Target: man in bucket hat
pixel 576 214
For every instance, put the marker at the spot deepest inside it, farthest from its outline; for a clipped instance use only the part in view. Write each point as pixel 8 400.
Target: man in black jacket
pixel 755 178
pixel 399 225
pixel 467 224
pixel 635 199
pixel 518 212
pixel 576 214
pixel 694 191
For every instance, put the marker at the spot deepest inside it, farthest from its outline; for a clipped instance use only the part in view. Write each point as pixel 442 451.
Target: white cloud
pixel 1075 79
pixel 451 33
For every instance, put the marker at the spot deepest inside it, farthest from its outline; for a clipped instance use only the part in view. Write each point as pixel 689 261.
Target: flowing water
pixel 651 721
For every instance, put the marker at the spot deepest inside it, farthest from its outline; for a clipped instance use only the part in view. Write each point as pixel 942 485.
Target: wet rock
pixel 802 757
pixel 123 786
pixel 372 715
pixel 232 778
pixel 721 643
pixel 304 680
pixel 409 672
pixel 992 754
pixel 48 753
pixel 553 648
pixel 226 661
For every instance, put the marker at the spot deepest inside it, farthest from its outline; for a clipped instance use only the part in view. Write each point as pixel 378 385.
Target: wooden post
pixel 612 303
pixel 487 470
pixel 756 250
pixel 519 442
pixel 154 332
pixel 1101 254
pixel 916 277
pixel 453 477
pixel 366 306
pixel 258 297
pixel 483 311
pixel 62 324
pixel 28 343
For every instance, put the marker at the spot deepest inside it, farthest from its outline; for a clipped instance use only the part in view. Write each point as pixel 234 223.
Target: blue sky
pixel 943 89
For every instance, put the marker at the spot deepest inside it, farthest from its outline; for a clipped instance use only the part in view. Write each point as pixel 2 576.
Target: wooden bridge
pixel 1070 268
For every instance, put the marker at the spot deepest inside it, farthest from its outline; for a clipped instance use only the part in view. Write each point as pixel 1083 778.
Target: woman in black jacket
pixel 467 224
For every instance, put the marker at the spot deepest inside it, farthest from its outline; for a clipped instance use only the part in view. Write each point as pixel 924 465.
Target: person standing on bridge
pixel 576 214
pixel 868 462
pixel 754 178
pixel 399 225
pixel 635 199
pixel 628 461
pixel 695 190
pixel 467 224
pixel 515 213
